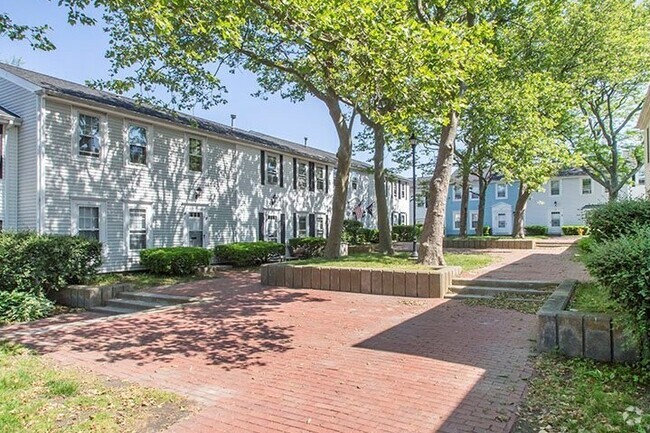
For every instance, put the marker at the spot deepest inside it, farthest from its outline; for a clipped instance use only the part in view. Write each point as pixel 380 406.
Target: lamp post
pixel 414 253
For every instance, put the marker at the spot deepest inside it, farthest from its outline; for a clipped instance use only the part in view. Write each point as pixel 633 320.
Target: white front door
pixel 555 223
pixel 502 220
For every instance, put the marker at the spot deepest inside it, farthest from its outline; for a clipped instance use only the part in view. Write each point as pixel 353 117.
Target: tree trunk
pixel 433 230
pixel 339 200
pixel 482 187
pixel 518 227
pixel 383 224
pixel 464 203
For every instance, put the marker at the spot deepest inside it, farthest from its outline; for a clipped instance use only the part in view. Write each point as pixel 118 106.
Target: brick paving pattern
pixel 279 360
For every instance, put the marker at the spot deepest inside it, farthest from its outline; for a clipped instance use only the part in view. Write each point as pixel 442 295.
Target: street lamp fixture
pixel 414 141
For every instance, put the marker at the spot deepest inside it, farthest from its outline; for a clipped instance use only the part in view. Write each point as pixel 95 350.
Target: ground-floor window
pixel 302 226
pixel 137 229
pixel 402 218
pixel 88 222
pixel 320 226
pixel 473 217
pixel 456 220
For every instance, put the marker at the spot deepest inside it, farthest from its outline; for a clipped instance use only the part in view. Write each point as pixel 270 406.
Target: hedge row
pixel 175 260
pixel 406 233
pixel 355 234
pixel 249 253
pixel 305 248
pixel 536 230
pixel 575 230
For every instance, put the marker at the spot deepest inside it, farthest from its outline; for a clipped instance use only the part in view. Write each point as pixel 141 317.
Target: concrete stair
pixel 489 289
pixel 132 302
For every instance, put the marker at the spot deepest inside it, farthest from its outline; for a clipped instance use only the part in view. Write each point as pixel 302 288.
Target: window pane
pixel 137 241
pixel 89 143
pixel 272 169
pixel 458 192
pixel 137 144
pixel 196 155
pixel 320 178
pixel 555 187
pixel 586 186
pixel 196 163
pixel 501 190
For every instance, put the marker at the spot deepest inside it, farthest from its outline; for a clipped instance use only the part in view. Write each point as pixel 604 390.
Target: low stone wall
pixel 578 334
pixel 506 244
pixel 421 284
pixel 358 249
pixel 89 296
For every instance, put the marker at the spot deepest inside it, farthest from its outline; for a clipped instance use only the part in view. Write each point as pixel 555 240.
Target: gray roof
pixel 58 87
pixel 573 171
pixel 8 113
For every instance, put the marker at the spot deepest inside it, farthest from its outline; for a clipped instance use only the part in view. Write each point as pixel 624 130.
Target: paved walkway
pixel 283 360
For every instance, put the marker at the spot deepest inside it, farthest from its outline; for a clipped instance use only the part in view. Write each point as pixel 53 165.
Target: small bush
pixel 536 230
pixel 305 248
pixel 352 232
pixel 575 230
pixel 369 236
pixel 42 263
pixel 585 245
pixel 175 261
pixel 22 306
pixel 618 218
pixel 248 253
pixel 622 266
pixel 406 233
pixel 487 231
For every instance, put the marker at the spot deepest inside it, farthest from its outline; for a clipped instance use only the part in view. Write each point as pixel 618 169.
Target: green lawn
pixel 590 297
pixel 37 396
pixel 578 395
pixel 143 280
pixel 399 261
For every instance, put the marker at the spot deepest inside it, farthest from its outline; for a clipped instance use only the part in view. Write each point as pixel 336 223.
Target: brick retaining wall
pixel 421 283
pixel 89 296
pixel 510 244
pixel 578 334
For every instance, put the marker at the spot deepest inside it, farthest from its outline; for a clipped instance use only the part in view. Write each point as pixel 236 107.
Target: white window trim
pixel 550 188
pixel 74 226
pixel 74 134
pixel 453 192
pixel 472 213
pixel 150 139
pixel 318 217
pixel 277 168
pixel 591 186
pixel 306 186
pixel 316 170
pixel 496 191
pixel 186 142
pixel 455 218
pixel 473 196
pixel 186 224
pixel 298 216
pixel 149 209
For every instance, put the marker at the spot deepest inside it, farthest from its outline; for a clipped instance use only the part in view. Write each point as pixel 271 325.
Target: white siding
pixel 24 103
pixel 9 183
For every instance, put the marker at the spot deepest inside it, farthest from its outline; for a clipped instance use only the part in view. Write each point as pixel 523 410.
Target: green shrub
pixel 536 230
pixel 42 263
pixel 305 248
pixel 622 266
pixel 175 261
pixel 369 236
pixel 586 244
pixel 618 218
pixel 352 232
pixel 405 233
pixel 23 306
pixel 575 230
pixel 248 253
pixel 487 231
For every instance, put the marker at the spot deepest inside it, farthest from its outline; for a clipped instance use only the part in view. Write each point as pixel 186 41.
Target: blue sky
pixel 80 56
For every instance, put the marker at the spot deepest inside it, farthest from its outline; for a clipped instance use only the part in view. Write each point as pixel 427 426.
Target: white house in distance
pixel 81 161
pixel 644 125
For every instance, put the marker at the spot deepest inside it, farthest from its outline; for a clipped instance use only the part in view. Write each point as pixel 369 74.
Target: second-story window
pixel 402 190
pixel 302 175
pixel 272 169
pixel 137 144
pixel 196 154
pixel 355 183
pixel 458 192
pixel 89 142
pixel 320 178
pixel 586 186
pixel 502 190
pixel 555 187
pixel 394 186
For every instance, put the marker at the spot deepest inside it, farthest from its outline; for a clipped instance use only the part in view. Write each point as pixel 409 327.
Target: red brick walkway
pixel 308 361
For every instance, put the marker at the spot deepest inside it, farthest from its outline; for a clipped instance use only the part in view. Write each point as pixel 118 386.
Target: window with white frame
pixel 393 218
pixel 88 222
pixel 473 195
pixel 456 220
pixel 586 186
pixel 402 219
pixel 355 182
pixel 473 218
pixel 88 128
pixel 302 175
pixel 302 226
pixel 272 169
pixel 137 139
pixel 402 189
pixel 137 229
pixel 320 178
pixel 502 191
pixel 555 187
pixel 196 154
pixel 320 226
pixel 271 229
pixel 458 192
pixel 394 187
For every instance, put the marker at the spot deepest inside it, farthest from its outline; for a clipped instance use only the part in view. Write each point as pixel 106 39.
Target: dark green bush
pixel 618 218
pixel 369 236
pixel 249 253
pixel 405 233
pixel 536 230
pixel 352 232
pixel 175 260
pixel 42 263
pixel 23 306
pixel 623 267
pixel 487 231
pixel 575 230
pixel 586 244
pixel 305 248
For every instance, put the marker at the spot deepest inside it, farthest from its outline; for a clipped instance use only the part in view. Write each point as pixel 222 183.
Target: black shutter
pixel 327 179
pixel 260 227
pixel 295 173
pixel 311 176
pixel 281 172
pixel 312 225
pixel 327 225
pixel 399 190
pixel 262 166
pixel 295 225
pixel 283 226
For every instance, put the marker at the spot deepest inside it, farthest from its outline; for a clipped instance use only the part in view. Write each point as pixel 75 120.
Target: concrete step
pixel 464 296
pixel 134 304
pixel 113 310
pixel 503 283
pixel 484 290
pixel 156 298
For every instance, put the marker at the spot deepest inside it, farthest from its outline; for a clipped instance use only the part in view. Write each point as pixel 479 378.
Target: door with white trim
pixel 555 222
pixel 502 220
pixel 196 228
